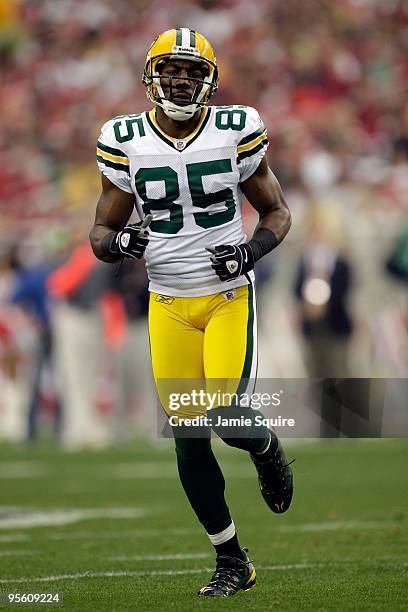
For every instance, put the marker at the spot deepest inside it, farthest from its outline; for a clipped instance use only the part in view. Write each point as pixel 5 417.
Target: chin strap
pixel 179 113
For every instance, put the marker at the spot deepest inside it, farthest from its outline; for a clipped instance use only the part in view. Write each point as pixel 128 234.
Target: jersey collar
pixel 152 121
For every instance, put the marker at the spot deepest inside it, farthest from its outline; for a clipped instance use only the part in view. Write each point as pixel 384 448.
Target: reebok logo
pixel 188 50
pixel 164 299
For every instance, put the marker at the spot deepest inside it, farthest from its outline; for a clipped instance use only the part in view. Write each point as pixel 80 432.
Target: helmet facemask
pixel 202 91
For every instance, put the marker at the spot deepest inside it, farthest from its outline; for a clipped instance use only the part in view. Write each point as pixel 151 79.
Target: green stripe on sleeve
pixel 110 150
pixel 258 147
pixel 113 165
pixel 251 136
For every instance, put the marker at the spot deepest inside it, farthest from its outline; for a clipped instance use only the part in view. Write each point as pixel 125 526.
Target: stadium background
pixel 329 79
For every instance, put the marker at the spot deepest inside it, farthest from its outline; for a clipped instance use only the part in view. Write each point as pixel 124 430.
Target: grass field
pixel 112 530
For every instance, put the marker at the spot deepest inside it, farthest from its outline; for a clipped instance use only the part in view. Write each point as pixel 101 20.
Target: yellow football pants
pixel 203 343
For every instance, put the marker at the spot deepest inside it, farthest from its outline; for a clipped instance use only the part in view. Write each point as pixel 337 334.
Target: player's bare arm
pixel 265 195
pixel 111 238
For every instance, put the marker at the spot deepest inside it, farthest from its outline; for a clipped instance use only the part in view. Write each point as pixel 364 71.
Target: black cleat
pixel 275 479
pixel 231 575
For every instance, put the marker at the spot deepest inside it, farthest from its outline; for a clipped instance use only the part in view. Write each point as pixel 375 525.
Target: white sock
pixel 222 536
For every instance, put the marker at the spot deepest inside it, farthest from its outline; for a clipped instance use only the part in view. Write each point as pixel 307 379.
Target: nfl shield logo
pixel 229 295
pixel 180 144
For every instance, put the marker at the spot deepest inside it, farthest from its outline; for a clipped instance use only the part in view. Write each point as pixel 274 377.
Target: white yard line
pixel 334 526
pixel 151 470
pixel 16 553
pixel 183 572
pixel 18 537
pixel 122 534
pixel 295 528
pixel 26 519
pixel 180 531
pixel 174 557
pixel 9 470
pixel 136 574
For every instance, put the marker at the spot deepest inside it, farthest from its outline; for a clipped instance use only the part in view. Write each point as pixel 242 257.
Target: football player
pixel 184 166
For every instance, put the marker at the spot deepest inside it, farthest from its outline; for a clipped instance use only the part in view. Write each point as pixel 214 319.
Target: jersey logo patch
pixel 164 299
pixel 124 239
pixel 229 295
pixel 232 266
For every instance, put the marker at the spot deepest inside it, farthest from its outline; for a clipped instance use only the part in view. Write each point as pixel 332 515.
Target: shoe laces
pixel 226 573
pixel 278 468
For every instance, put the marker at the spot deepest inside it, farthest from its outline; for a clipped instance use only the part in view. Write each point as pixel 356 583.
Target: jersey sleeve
pixel 252 144
pixel 112 161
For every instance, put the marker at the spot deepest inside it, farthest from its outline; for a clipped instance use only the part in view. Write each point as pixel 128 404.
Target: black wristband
pixel 262 242
pixel 109 247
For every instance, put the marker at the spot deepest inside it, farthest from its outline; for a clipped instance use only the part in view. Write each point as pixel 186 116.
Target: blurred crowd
pixel 330 81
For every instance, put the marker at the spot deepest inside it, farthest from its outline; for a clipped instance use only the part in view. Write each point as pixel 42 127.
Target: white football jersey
pixel 190 186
